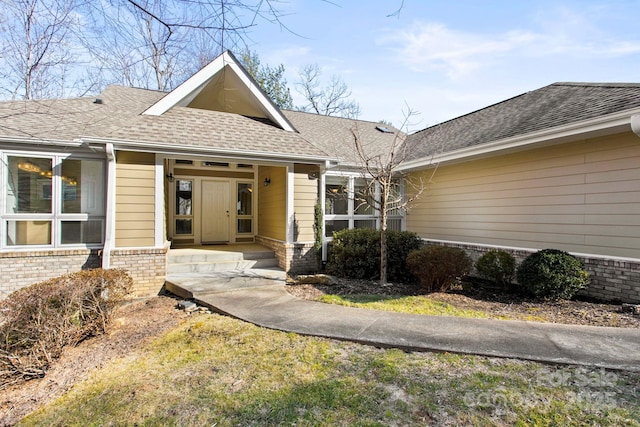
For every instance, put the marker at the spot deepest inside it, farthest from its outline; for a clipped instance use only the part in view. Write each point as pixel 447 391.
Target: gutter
pixel 635 124
pixel 40 141
pixel 110 214
pixel 173 150
pixel 606 125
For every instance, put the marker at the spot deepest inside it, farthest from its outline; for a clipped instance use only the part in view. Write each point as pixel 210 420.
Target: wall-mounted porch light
pixel 169 177
pixel 267 181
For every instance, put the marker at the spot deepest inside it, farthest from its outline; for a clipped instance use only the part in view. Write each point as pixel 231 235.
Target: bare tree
pixel 384 183
pixel 332 99
pixel 135 49
pixel 38 47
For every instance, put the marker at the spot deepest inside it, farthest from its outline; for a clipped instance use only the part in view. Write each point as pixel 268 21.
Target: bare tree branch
pixel 333 99
pixel 383 189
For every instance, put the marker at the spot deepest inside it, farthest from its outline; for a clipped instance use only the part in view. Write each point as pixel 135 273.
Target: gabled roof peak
pixel 222 85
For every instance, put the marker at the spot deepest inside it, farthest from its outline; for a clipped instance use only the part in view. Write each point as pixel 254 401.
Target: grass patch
pixel 403 304
pixel 213 370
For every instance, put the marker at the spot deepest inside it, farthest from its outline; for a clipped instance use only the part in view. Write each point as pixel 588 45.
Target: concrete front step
pixel 188 285
pixel 221 258
pixel 187 256
pixel 220 265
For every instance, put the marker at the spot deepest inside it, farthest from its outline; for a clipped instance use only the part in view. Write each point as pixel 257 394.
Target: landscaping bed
pixel 479 297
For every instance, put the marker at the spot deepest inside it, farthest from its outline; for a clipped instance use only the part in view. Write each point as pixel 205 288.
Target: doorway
pixel 215 216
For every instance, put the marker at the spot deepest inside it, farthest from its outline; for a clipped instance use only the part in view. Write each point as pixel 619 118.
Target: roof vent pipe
pixel 635 124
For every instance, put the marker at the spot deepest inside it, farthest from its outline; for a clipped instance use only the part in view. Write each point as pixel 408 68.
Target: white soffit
pixel 184 94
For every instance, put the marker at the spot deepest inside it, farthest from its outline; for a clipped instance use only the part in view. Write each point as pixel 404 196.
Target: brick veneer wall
pixel 23 268
pixel 294 258
pixel 147 267
pixel 611 279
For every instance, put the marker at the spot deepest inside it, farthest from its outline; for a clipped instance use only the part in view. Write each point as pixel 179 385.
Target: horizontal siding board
pixel 134 242
pixel 142 183
pixel 583 197
pixel 138 199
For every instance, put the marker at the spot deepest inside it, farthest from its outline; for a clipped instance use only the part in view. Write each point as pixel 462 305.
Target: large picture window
pixel 53 201
pixel 349 204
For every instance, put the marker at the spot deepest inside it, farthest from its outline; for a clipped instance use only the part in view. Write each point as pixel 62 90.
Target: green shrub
pixel 497 266
pixel 438 267
pixel 39 321
pixel 399 245
pixel 356 254
pixel 552 274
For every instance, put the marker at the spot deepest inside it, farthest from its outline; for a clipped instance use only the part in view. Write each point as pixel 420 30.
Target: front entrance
pixel 210 202
pixel 215 212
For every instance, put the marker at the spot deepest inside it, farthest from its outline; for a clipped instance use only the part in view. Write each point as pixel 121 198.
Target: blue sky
pixel 448 58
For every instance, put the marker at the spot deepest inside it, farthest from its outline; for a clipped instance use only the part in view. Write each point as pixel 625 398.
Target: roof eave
pixel 199 151
pixel 624 121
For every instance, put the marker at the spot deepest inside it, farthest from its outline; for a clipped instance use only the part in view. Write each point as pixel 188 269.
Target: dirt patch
pixel 481 297
pixel 134 324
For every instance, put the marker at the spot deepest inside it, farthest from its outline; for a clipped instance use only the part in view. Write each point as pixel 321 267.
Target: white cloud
pixel 434 46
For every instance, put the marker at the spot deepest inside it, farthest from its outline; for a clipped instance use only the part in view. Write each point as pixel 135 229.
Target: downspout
pixel 110 215
pixel 635 124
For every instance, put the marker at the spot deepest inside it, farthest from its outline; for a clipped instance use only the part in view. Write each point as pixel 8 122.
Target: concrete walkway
pixel 261 298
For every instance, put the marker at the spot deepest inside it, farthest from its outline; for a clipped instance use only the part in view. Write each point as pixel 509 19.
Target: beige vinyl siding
pixel 305 198
pixel 581 197
pixel 272 202
pixel 135 199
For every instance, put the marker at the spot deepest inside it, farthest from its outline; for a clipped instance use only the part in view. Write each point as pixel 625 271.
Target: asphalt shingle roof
pixel 554 105
pixel 334 135
pixel 119 117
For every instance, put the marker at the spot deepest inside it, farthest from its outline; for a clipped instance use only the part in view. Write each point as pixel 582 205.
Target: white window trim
pixel 350 215
pixel 56 217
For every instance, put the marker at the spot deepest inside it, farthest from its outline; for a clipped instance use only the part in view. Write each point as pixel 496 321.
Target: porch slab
pixel 190 285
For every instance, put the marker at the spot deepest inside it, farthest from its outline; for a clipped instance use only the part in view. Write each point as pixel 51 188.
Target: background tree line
pixel 62 48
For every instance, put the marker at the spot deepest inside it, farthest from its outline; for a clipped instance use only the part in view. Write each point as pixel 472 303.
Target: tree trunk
pixel 383 243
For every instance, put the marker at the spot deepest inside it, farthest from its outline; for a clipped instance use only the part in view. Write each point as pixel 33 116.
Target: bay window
pixel 52 201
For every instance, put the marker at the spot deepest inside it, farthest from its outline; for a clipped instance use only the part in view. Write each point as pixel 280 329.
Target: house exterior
pixel 117 180
pixel 553 168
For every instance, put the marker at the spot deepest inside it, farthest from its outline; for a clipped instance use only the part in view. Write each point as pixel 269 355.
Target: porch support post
pixel 110 213
pixel 321 198
pixel 159 220
pixel 290 202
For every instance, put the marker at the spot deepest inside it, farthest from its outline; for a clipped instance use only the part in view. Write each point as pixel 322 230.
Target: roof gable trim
pixel 188 90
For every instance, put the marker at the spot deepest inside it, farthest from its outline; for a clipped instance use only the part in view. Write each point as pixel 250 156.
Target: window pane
pixel 362 203
pixel 81 232
pixel 335 225
pixel 244 225
pixel 183 197
pixel 336 196
pixel 183 226
pixel 245 192
pixel 28 233
pixel 395 198
pixel 394 224
pixel 29 187
pixel 83 186
pixel 364 223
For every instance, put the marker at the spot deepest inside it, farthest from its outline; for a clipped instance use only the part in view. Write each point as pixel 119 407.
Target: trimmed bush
pixel 439 267
pixel 552 274
pixel 399 245
pixel 355 254
pixel 39 321
pixel 497 266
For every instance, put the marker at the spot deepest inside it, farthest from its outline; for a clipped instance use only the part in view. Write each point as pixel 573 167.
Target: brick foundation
pixel 147 267
pixel 23 268
pixel 294 258
pixel 611 279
